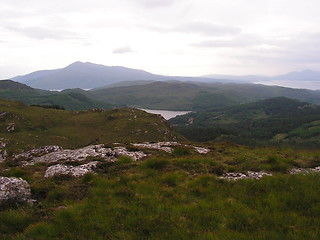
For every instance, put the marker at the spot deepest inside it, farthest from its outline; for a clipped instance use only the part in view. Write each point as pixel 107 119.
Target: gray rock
pixel 164 146
pixel 78 171
pixel 11 127
pixel 201 150
pixel 81 154
pixel 3 155
pixel 122 151
pixel 38 151
pixel 250 175
pixel 167 146
pixel 15 190
pixel 305 170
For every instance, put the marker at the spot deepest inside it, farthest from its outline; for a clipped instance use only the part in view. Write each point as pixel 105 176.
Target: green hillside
pixel 173 196
pixel 72 100
pixel 178 194
pixel 175 95
pixel 277 120
pixel 34 126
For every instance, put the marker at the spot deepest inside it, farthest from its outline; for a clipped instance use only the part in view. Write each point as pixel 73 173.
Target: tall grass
pixel 175 206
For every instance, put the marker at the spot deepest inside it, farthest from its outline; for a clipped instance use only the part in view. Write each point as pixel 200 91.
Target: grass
pixel 170 196
pixel 174 206
pixel 36 127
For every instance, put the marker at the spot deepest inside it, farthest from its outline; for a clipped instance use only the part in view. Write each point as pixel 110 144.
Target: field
pixel 176 195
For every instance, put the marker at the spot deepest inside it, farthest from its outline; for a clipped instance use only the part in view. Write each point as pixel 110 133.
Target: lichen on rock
pixel 14 190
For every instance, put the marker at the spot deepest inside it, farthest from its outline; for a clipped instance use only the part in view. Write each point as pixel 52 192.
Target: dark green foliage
pixel 273 121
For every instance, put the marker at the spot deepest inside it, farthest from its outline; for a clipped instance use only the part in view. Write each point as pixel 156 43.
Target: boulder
pixel 38 152
pixel 14 190
pixel 81 154
pixel 78 171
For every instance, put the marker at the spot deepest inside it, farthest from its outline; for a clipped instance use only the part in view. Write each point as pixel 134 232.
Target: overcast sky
pixel 170 37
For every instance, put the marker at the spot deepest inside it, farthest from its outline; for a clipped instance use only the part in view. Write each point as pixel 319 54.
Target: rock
pixel 122 151
pixel 250 175
pixel 201 150
pixel 3 143
pixel 167 146
pixel 81 154
pixel 305 170
pixel 11 127
pixel 38 151
pixel 78 171
pixel 164 146
pixel 299 171
pixel 14 190
pixel 3 155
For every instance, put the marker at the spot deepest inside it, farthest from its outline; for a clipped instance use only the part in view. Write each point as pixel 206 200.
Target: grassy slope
pixel 277 119
pixel 72 100
pixel 174 196
pixel 196 96
pixel 36 126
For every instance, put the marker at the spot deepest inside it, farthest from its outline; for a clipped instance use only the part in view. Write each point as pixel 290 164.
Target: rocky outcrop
pixel 164 146
pixel 122 151
pixel 167 146
pixel 14 190
pixel 38 152
pixel 305 170
pixel 107 154
pixel 249 175
pixel 61 169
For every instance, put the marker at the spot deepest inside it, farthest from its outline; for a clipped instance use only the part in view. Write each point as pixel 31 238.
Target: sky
pixel 168 37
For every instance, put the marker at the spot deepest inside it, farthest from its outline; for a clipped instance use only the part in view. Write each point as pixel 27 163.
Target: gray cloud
pixel 207 28
pixel 40 33
pixel 122 50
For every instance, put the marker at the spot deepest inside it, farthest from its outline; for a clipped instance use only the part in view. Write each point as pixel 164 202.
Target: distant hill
pixel 72 99
pixel 34 126
pixel 83 75
pixel 196 96
pixel 9 84
pixel 306 75
pixel 277 120
pixel 89 75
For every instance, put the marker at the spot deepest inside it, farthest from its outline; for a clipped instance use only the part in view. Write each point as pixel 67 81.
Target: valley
pixel 242 162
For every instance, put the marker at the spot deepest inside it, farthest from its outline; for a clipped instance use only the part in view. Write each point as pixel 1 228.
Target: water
pixel 312 85
pixel 165 113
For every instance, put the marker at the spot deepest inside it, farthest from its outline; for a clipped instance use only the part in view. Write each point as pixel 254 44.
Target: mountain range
pixel 305 75
pixel 88 75
pixel 164 95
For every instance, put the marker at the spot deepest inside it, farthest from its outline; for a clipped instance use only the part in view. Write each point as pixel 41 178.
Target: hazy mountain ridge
pixel 89 75
pixel 305 75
